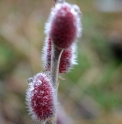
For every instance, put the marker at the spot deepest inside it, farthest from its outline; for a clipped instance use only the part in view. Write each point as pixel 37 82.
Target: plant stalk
pixel 55 61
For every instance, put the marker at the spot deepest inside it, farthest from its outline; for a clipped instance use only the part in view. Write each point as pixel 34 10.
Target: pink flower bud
pixel 64 25
pixel 40 98
pixel 67 60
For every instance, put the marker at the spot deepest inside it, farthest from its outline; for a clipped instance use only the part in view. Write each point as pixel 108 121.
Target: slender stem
pixel 55 60
pixel 51 121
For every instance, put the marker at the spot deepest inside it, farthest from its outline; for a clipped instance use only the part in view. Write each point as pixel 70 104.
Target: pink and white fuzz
pixel 67 60
pixel 40 98
pixel 46 54
pixel 64 25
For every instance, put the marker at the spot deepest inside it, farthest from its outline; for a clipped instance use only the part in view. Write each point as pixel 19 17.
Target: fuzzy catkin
pixel 67 60
pixel 40 98
pixel 63 26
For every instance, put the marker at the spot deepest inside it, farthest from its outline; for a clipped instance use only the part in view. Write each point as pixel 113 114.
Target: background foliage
pixel 91 92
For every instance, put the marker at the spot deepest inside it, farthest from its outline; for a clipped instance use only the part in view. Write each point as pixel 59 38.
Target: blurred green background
pixel 92 92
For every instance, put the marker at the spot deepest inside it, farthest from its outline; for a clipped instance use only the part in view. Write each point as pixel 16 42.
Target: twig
pixel 55 60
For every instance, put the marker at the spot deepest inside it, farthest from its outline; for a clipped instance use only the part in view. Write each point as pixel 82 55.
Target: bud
pixel 46 54
pixel 67 60
pixel 64 25
pixel 40 98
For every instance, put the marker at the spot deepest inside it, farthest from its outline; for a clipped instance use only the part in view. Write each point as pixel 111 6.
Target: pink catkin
pixel 66 61
pixel 63 30
pixel 40 98
pixel 64 25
